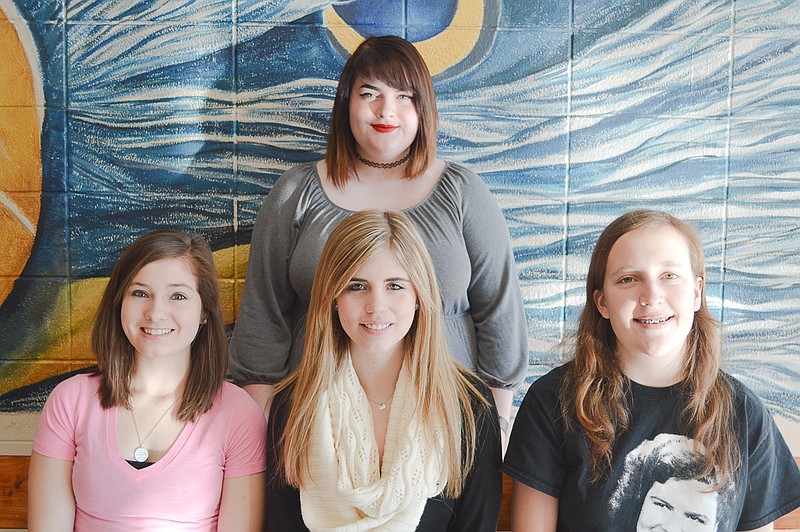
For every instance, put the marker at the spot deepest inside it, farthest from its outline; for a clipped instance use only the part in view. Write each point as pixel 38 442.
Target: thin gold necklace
pixel 382 404
pixel 141 454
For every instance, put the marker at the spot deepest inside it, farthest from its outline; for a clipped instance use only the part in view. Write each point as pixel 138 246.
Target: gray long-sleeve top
pixel 468 240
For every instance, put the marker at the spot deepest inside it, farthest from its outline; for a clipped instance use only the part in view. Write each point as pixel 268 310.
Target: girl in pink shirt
pixel 155 439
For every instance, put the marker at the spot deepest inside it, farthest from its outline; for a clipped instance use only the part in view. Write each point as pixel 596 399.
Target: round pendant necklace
pixel 381 405
pixel 385 166
pixel 141 454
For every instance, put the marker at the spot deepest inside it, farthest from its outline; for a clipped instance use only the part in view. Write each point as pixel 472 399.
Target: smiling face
pixel 383 120
pixel 377 307
pixel 678 505
pixel 650 295
pixel 161 309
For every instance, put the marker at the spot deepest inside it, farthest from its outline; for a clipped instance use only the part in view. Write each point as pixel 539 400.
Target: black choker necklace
pixel 385 166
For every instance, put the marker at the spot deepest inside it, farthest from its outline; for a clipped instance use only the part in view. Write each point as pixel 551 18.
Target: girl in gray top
pixel 382 155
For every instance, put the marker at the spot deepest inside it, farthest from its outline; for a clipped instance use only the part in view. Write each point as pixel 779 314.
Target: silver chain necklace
pixel 141 454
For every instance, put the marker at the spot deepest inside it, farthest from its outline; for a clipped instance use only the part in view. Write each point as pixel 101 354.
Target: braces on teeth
pixel 651 321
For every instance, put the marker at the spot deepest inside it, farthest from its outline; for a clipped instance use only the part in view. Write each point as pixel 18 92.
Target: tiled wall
pixel 118 117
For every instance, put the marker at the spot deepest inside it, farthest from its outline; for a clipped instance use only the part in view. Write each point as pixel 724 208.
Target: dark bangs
pixel 388 68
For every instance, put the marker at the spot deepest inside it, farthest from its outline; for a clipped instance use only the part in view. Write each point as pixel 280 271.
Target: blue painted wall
pixel 183 113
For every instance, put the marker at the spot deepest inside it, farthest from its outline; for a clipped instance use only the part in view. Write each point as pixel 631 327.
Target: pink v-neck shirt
pixel 179 492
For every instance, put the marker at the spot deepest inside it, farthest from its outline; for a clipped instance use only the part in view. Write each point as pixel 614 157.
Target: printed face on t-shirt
pixel 678 505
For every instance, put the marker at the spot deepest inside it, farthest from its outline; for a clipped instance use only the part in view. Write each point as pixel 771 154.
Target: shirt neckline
pixel 120 461
pixel 318 182
pixel 651 392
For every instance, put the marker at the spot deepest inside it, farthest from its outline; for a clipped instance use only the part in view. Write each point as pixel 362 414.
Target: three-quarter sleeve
pixel 495 298
pixel 262 339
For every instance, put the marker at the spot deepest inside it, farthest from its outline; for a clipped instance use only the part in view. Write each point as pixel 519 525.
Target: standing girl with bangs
pixel 379 428
pixel 155 439
pixel 641 430
pixel 381 155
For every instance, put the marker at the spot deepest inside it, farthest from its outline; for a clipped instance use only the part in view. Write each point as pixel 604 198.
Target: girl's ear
pixel 699 287
pixel 600 303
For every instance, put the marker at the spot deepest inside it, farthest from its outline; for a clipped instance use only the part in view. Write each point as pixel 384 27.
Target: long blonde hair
pixel 595 387
pixel 442 391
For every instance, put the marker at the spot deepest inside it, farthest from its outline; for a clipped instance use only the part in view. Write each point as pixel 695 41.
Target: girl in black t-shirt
pixel 602 442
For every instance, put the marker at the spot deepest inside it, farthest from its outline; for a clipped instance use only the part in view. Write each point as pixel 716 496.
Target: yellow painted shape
pixel 441 51
pixel 85 295
pixel 225 262
pixel 20 155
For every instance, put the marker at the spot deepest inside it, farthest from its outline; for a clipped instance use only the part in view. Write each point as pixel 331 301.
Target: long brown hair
pixel 595 387
pixel 115 355
pixel 442 391
pixel 394 61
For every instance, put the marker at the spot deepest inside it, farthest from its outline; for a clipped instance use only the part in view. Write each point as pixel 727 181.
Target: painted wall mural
pixel 119 117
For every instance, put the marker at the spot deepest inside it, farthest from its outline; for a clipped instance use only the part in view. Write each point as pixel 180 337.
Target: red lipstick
pixel 383 128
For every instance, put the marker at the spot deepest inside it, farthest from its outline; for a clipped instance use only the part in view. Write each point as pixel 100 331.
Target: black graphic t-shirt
pixel 654 479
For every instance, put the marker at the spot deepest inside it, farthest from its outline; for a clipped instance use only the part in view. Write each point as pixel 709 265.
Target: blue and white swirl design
pixel 183 113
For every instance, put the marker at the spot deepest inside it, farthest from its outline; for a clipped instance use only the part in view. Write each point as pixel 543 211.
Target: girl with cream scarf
pixel 379 428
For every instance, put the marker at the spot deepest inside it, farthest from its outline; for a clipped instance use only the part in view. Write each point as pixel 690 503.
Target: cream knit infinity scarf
pixel 345 490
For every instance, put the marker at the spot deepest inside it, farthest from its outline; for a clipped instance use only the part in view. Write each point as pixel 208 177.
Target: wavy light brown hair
pixel 394 61
pixel 116 357
pixel 442 390
pixel 594 391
